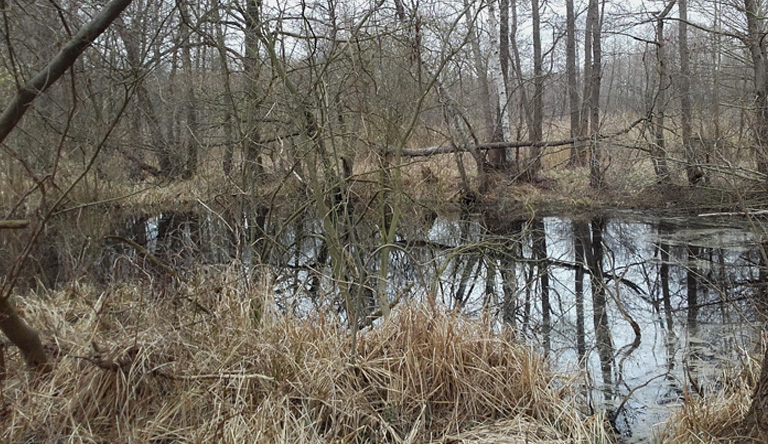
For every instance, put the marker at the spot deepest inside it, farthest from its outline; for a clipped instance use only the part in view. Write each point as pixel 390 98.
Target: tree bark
pixel 535 131
pixel 190 105
pixel 482 78
pixel 659 152
pixel 231 115
pixel 587 94
pixel 594 257
pixel 693 171
pixel 539 249
pixel 754 40
pixel 497 74
pixel 11 324
pixel 574 101
pixel 580 242
pixel 594 25
pixel 504 55
pixel 252 151
pixel 525 106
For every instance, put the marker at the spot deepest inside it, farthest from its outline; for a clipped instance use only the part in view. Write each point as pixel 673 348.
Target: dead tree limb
pixel 448 149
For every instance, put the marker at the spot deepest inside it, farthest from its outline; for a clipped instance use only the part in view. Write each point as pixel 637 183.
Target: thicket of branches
pixel 256 90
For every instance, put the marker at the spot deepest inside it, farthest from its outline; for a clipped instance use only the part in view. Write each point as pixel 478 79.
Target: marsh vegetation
pixel 229 221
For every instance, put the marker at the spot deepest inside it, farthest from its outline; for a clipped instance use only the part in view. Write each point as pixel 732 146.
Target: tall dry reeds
pixel 717 416
pixel 132 367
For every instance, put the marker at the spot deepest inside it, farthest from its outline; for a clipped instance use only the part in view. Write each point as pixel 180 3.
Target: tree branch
pixel 448 149
pixel 58 66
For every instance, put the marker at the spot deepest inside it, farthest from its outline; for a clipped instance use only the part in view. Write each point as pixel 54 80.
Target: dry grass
pixel 164 372
pixel 717 416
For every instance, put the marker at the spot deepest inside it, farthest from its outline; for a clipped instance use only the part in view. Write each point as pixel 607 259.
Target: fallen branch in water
pixel 449 149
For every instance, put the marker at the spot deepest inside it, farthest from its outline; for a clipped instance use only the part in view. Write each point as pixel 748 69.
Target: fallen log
pixel 448 149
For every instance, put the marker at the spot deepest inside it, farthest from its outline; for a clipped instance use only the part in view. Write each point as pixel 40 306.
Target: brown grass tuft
pixel 132 367
pixel 717 416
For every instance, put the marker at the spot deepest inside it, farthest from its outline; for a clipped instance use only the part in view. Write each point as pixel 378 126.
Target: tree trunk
pixel 659 152
pixel 580 243
pixel 574 101
pixel 692 317
pixel 717 54
pixel 539 249
pixel 191 130
pixel 594 256
pixel 757 51
pixel 22 336
pixel 497 75
pixel 596 179
pixel 482 78
pixel 165 158
pixel 693 171
pixel 252 166
pixel 535 131
pixel 525 106
pixel 231 115
pixel 587 95
pixel 504 54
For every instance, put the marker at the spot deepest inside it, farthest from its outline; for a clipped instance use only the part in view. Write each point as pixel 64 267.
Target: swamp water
pixel 649 307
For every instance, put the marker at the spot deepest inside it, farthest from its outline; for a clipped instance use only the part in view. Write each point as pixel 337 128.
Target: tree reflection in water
pixel 644 282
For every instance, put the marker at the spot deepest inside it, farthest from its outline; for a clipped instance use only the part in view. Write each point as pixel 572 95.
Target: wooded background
pixel 256 90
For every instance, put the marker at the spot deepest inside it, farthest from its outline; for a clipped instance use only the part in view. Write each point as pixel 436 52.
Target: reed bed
pixel 218 363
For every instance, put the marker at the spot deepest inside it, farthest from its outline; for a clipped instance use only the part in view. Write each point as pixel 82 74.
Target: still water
pixel 648 307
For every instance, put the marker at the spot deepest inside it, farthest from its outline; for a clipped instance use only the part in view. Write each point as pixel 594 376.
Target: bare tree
pixel 252 165
pixel 594 29
pixel 482 77
pixel 504 55
pixel 577 157
pixel 692 169
pixel 497 76
pixel 757 47
pixel 190 130
pixel 526 112
pixel 659 152
pixel 536 131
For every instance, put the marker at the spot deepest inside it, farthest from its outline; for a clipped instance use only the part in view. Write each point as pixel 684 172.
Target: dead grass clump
pixel 132 367
pixel 717 416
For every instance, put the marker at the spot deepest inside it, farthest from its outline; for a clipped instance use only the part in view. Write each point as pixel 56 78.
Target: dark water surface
pixel 648 306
